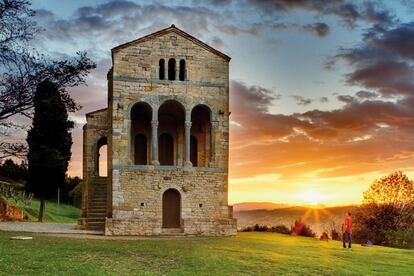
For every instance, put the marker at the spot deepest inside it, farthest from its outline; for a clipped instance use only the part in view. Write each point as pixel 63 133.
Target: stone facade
pixel 167 127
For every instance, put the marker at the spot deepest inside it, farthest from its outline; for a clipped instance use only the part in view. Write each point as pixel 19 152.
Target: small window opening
pixel 171 69
pixel 142 204
pixel 200 205
pixel 182 70
pixel 162 69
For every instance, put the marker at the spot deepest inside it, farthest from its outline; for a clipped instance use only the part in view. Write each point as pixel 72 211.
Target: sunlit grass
pixel 245 254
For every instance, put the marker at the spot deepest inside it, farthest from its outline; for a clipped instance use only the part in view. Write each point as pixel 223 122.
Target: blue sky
pixel 333 78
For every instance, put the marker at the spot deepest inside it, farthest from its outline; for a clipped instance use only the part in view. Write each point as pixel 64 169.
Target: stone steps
pixel 95 219
pixel 172 232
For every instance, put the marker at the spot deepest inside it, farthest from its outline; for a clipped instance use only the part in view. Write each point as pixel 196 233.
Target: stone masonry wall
pixel 137 190
pixel 138 194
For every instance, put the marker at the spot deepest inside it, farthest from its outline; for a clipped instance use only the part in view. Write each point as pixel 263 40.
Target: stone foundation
pixel 137 201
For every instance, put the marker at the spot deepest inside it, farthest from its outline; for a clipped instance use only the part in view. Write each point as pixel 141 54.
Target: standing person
pixel 347 230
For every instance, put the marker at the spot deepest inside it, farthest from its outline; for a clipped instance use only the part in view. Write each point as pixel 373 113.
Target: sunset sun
pixel 312 197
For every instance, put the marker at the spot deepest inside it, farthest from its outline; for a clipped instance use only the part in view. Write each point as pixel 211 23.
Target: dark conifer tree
pixel 49 142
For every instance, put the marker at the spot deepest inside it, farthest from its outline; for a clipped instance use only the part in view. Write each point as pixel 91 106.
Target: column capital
pixel 187 124
pixel 154 124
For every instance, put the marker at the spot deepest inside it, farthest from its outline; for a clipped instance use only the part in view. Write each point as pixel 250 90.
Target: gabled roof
pixel 176 30
pixel 96 111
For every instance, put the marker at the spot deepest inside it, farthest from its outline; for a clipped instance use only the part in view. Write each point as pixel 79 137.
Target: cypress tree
pixel 49 141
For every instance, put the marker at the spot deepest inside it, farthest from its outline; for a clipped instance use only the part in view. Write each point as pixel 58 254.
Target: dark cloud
pixel 307 101
pixel 321 29
pixel 346 99
pixel 398 41
pixel 383 62
pixel 348 11
pixel 366 94
pixel 302 100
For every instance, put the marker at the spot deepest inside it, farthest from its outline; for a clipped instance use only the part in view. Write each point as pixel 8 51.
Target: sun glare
pixel 312 197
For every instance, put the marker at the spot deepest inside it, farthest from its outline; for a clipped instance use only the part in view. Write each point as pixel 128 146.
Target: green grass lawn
pixel 247 253
pixel 63 214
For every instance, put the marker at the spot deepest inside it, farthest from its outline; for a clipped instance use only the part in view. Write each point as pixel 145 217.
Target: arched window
pixel 166 150
pixel 141 116
pixel 193 151
pixel 171 69
pixel 201 130
pixel 140 149
pixel 161 72
pixel 101 160
pixel 182 70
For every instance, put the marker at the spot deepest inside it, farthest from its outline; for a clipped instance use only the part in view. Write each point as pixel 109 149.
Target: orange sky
pixel 322 99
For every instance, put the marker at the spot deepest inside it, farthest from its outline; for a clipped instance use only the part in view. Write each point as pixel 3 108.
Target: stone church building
pixel 167 133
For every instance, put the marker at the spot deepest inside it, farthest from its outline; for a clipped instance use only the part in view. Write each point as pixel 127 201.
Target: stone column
pixel 187 143
pixel 154 143
pixel 213 143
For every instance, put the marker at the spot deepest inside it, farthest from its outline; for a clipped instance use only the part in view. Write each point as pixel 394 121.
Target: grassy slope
pixel 248 253
pixel 64 214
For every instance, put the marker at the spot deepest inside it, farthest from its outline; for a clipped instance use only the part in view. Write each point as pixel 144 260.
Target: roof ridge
pixel 172 28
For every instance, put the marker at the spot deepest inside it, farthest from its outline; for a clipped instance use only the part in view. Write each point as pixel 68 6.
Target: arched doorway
pixel 141 116
pixel 201 131
pixel 166 152
pixel 171 116
pixel 101 158
pixel 171 209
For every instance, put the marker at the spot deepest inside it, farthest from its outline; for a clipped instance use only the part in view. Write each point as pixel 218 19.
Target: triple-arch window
pixel 171 72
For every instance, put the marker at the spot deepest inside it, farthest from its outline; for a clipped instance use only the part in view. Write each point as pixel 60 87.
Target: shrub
pixel 281 229
pixel 324 236
pixel 301 229
pixel 335 235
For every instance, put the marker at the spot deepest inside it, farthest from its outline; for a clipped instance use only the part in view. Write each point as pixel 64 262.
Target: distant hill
pixel 246 206
pixel 320 219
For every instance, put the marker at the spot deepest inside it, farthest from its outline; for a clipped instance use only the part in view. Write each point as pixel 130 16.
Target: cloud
pixel 348 12
pixel 321 29
pixel 383 62
pixel 366 94
pixel 349 139
pixel 306 101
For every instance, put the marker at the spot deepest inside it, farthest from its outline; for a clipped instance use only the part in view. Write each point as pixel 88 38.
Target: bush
pixel 335 235
pixel 386 216
pixel 301 229
pixel 324 236
pixel 281 229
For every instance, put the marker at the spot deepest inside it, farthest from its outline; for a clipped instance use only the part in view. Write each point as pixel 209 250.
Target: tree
pixel 386 216
pixel 13 171
pixel 22 69
pixel 49 142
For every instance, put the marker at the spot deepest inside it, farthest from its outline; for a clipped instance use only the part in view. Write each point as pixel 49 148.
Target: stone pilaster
pixel 187 143
pixel 154 143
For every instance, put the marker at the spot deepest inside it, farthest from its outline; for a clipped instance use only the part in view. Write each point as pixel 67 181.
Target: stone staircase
pixel 172 232
pixel 97 204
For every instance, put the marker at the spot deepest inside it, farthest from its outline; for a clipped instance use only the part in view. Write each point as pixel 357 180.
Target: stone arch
pixel 102 141
pixel 201 130
pixel 171 209
pixel 171 117
pixel 140 132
